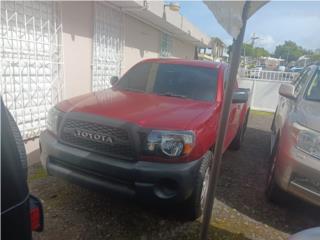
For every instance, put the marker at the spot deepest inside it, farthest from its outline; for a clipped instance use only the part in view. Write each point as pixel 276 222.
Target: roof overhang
pixel 157 15
pixel 229 13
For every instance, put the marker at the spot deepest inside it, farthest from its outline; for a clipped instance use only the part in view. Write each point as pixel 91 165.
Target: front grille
pixel 121 146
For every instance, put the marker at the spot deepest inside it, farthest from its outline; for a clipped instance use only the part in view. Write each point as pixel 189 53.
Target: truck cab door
pixel 234 115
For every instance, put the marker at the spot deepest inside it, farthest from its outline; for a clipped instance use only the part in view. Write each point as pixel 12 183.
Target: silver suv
pixel 295 141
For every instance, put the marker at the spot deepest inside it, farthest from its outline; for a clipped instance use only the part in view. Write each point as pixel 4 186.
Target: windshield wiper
pixel 170 94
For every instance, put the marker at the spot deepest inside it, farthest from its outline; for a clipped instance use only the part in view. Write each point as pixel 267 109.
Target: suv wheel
pixel 273 192
pixel 194 205
pixel 19 142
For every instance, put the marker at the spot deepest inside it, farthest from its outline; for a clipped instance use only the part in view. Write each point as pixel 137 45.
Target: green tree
pixel 261 52
pixel 249 51
pixel 289 51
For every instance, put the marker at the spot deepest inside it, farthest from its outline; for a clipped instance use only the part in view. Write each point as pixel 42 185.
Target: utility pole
pixel 217 154
pixel 253 39
pixel 244 53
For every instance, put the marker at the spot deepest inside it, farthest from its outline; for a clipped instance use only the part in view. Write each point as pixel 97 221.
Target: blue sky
pixel 276 22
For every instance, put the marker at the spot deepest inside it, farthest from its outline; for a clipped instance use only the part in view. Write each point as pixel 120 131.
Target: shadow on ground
pixel 242 184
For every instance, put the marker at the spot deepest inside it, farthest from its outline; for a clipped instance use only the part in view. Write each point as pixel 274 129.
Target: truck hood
pixel 144 109
pixel 309 114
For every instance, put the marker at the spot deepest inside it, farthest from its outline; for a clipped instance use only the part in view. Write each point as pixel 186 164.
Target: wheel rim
pixel 204 190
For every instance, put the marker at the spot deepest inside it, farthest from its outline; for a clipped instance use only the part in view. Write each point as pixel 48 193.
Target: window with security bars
pixel 165 45
pixel 31 62
pixel 107 45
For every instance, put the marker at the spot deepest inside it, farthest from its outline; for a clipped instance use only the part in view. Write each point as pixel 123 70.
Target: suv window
pixel 176 80
pixel 313 90
pixel 302 80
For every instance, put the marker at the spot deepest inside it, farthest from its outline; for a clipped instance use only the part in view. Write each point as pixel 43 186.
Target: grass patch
pixel 261 113
pixel 215 233
pixel 39 173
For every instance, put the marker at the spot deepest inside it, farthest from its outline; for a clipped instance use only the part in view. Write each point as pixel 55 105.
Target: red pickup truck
pixel 151 135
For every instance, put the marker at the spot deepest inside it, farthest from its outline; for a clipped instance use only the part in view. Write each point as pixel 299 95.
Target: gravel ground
pixel 241 211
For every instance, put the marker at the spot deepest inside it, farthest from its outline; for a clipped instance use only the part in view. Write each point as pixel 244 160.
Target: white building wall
pixel 77 22
pixel 182 49
pixel 141 41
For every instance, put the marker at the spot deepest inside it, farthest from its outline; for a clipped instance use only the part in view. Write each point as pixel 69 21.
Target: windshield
pixel 175 80
pixel 313 90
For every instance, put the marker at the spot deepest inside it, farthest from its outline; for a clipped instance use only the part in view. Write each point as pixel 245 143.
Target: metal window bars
pixel 31 62
pixel 165 45
pixel 108 42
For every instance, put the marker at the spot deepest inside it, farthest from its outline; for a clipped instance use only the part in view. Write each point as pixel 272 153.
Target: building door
pixel 107 45
pixel 31 65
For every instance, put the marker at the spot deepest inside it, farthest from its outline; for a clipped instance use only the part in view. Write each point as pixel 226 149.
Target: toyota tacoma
pixel 151 135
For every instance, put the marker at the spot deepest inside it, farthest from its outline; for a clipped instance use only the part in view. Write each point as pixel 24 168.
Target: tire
pixel 238 139
pixel 19 142
pixel 273 192
pixel 194 205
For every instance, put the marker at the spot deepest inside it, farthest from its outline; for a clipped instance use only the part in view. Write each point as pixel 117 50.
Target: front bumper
pixel 151 180
pixel 299 174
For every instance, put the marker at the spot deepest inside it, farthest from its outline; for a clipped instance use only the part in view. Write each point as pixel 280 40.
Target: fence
pixel 267 75
pixel 264 87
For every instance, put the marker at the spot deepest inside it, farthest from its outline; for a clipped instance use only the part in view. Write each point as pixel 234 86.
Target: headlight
pixel 170 143
pixel 308 140
pixel 52 121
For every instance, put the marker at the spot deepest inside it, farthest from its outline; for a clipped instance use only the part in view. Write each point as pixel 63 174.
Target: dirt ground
pixel 241 211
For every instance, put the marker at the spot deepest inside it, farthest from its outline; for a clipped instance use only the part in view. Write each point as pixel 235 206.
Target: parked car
pixel 295 155
pixel 296 69
pixel 151 135
pixel 255 72
pixel 21 213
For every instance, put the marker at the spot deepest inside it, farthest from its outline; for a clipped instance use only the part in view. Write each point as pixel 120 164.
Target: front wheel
pixel 194 205
pixel 273 192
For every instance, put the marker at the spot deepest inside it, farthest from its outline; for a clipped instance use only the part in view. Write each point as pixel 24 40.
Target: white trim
pixel 164 24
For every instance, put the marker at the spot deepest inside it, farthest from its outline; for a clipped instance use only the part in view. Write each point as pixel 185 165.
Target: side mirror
pixel 287 90
pixel 240 95
pixel 113 80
